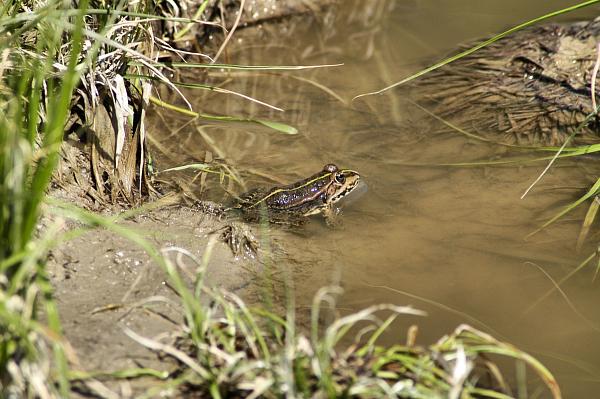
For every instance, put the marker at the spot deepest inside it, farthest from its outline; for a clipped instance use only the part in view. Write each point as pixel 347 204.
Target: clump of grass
pixel 37 80
pixel 226 349
pixel 481 45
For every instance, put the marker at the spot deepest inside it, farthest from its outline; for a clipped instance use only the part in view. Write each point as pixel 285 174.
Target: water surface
pixel 450 235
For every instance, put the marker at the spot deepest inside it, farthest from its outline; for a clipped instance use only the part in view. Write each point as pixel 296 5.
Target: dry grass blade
pixel 211 88
pixel 229 67
pixel 473 135
pixel 141 58
pixel 230 92
pixel 168 349
pixel 595 75
pixel 321 87
pixel 565 297
pixel 230 34
pixel 440 306
pixel 337 329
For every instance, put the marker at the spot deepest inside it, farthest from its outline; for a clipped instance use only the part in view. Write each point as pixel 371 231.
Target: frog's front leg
pixel 331 215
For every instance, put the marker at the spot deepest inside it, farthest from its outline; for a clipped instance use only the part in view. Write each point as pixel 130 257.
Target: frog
pixel 294 203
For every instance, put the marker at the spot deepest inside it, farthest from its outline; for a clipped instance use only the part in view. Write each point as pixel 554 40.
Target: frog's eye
pixel 340 178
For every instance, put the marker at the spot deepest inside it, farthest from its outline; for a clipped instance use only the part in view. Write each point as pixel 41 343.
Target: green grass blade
pixel 57 115
pixel 126 373
pixel 278 126
pixel 590 216
pixel 509 351
pixel 594 190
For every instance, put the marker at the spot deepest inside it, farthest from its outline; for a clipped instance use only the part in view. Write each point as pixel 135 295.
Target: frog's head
pixel 341 182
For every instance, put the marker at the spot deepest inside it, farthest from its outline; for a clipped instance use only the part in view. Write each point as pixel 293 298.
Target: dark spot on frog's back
pixel 283 199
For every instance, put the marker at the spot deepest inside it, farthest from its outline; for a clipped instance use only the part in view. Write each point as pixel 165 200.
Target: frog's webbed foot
pixel 240 239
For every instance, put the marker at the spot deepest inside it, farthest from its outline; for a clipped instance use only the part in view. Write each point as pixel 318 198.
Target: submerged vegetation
pixel 87 73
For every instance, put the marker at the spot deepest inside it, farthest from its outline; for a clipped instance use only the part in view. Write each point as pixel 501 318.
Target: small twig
pixel 233 28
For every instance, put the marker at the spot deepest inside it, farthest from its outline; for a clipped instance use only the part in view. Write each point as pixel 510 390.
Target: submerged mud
pixel 532 87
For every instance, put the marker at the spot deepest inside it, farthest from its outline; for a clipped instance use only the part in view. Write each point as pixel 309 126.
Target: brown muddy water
pixel 448 240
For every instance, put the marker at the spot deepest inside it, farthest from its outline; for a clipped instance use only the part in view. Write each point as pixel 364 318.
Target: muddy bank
pixel 104 283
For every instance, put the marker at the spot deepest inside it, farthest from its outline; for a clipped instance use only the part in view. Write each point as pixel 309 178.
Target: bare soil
pixel 105 284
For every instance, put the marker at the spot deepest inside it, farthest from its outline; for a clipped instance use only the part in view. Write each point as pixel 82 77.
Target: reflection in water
pixel 452 235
